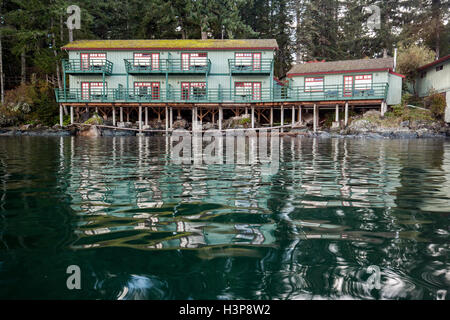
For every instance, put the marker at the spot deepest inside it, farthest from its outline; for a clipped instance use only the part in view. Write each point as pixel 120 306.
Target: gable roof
pixel 187 44
pixel 443 59
pixel 342 66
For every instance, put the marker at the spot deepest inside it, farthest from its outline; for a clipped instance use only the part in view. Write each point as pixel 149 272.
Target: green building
pixel 209 80
pixel 435 76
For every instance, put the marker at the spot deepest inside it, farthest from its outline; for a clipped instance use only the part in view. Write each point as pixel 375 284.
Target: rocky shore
pixel 370 126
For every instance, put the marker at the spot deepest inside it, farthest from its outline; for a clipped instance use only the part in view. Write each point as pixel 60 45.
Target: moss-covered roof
pixel 342 65
pixel 193 44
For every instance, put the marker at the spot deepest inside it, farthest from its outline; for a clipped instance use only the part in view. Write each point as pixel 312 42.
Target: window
pixel 248 89
pixel 194 60
pixel 439 68
pixel 193 90
pixel 92 89
pixel 363 82
pixel 314 84
pixel 146 60
pixel 248 60
pixel 147 88
pixel 92 60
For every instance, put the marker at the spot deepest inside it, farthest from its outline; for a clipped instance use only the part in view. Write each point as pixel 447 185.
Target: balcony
pixel 217 95
pixel 249 66
pixel 174 66
pixel 93 66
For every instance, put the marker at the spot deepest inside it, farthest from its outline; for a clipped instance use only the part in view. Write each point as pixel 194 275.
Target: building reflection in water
pixel 129 193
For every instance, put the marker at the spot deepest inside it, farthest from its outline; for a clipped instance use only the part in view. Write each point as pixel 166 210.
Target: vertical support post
pixel 253 117
pixel 315 118
pixel 382 109
pixel 61 119
pixel 71 115
pixel 121 114
pixel 337 113
pixel 146 116
pixel 346 114
pixel 271 116
pixel 114 115
pixel 140 118
pixel 300 114
pixel 167 118
pixel 220 117
pixel 282 117
pixel 293 116
pixel 171 117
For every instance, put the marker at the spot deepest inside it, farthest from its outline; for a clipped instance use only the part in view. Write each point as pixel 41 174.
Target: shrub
pixel 436 103
pixel 30 103
pixel 94 120
pixel 245 121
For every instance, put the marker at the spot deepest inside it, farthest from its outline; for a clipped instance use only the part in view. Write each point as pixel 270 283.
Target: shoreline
pixel 385 133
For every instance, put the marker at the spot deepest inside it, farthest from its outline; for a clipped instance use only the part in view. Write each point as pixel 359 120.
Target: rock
pixel 90 131
pixel 361 125
pixel 372 113
pixel 404 124
pixel 208 126
pixel 25 127
pixel 180 124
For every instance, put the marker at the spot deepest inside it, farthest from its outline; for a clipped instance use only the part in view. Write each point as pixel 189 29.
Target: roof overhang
pixel 443 59
pixel 290 75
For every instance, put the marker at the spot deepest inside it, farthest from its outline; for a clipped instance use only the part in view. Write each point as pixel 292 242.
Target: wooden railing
pixel 217 95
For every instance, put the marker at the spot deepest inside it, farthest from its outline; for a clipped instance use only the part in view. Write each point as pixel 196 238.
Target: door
pixel 155 61
pixel 257 61
pixel 185 90
pixel 155 90
pixel 84 61
pixel 348 86
pixel 185 61
pixel 256 90
pixel 85 90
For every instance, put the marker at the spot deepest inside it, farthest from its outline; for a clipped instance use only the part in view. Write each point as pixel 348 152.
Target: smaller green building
pixel 435 76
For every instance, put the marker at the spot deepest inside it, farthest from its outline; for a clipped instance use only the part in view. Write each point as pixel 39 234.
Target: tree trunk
pixel 61 29
pixel 2 84
pixel 204 35
pixel 436 11
pixel 23 60
pixel 298 41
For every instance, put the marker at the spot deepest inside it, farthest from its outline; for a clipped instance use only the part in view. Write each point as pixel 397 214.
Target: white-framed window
pixel 142 59
pixel 313 84
pixel 147 88
pixel 193 89
pixel 363 82
pixel 89 89
pixel 96 59
pixel 245 89
pixel 193 59
pixel 248 59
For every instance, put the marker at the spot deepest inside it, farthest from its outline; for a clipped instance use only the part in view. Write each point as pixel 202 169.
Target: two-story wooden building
pixel 135 79
pixel 435 76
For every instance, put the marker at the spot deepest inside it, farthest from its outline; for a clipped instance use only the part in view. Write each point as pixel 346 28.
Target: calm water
pixel 141 226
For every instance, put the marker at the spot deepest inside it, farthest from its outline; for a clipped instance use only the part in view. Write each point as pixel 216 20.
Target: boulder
pixel 180 124
pixel 361 125
pixel 89 131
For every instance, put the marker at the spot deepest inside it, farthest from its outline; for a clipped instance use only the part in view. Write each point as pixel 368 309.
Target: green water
pixel 140 226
